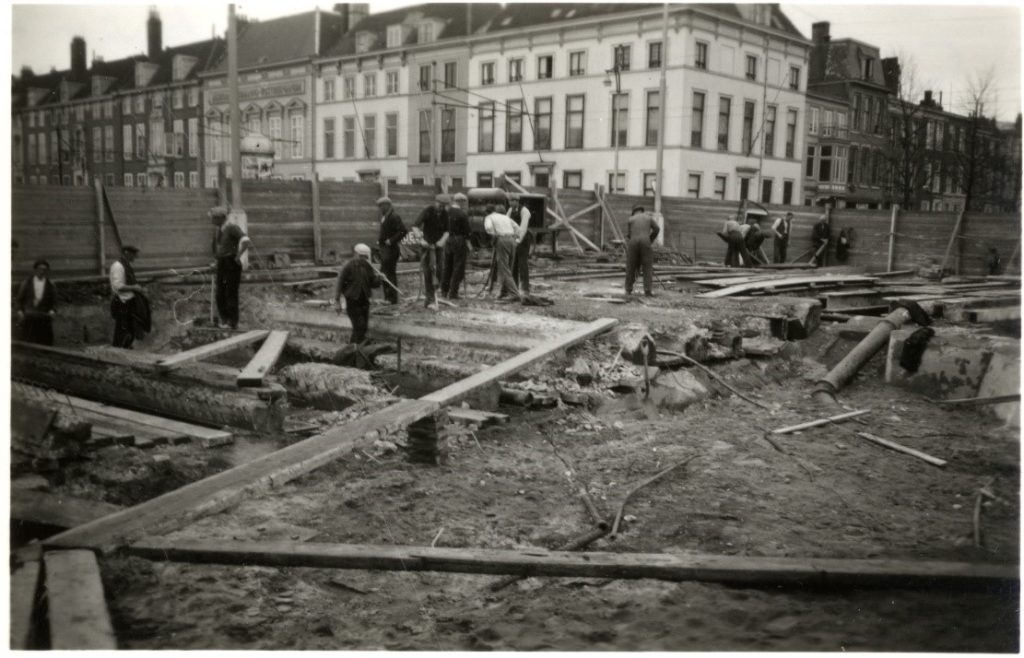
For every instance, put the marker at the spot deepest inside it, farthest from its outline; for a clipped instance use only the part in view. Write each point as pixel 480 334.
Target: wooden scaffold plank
pixel 733 569
pixel 77 609
pixel 263 362
pixel 211 349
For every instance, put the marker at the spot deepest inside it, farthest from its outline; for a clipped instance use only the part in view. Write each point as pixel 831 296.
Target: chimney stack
pixel 820 32
pixel 26 73
pixel 342 10
pixel 154 34
pixel 78 67
pixel 928 102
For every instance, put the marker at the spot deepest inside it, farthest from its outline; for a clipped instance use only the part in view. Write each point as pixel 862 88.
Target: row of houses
pixel 544 94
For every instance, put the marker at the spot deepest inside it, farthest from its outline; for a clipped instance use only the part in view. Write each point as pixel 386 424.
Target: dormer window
pixel 364 41
pixel 394 36
pixel 867 67
pixel 425 32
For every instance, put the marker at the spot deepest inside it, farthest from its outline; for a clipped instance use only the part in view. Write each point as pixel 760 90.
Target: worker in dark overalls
pixel 640 233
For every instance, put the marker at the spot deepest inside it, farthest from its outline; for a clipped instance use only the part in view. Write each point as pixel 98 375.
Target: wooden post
pixel 695 250
pixel 892 237
pixel 101 237
pixel 600 215
pixel 222 184
pixel 952 239
pixel 314 184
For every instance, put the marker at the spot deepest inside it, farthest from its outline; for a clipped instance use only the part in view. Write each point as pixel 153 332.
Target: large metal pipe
pixel 826 389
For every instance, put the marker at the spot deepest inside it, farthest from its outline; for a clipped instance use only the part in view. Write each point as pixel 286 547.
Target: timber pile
pixel 199 400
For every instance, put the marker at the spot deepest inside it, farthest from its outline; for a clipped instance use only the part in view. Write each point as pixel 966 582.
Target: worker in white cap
pixel 392 230
pixel 356 281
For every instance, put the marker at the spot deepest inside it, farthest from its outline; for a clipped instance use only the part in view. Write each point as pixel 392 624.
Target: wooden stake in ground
pixel 718 378
pixel 822 421
pixel 632 492
pixel 892 445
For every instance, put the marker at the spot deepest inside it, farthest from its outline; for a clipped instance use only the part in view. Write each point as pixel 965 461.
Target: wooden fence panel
pixel 56 223
pixel 348 216
pixel 280 215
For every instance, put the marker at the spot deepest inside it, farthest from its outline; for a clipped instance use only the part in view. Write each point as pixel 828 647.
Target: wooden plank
pixel 476 417
pixel 25 593
pixel 212 349
pixel 995 399
pixel 157 422
pixel 786 282
pixel 822 421
pixel 733 569
pixel 77 609
pixel 892 445
pixel 1006 314
pixel 56 510
pixel 263 362
pixel 207 496
pixel 459 390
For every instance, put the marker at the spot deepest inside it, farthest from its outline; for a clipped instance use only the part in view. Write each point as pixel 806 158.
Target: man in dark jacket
pixel 454 270
pixel 640 233
pixel 433 223
pixel 753 241
pixel 821 235
pixel 356 282
pixel 521 257
pixel 392 230
pixel 36 304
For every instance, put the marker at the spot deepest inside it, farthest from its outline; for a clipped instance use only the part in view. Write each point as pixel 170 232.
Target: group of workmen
pixel 744 240
pixel 442 234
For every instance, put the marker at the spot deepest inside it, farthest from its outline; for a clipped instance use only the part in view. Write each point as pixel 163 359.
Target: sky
pixel 950 43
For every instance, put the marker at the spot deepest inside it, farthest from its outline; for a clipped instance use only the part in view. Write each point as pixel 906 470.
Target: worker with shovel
pixel 356 281
pixel 821 235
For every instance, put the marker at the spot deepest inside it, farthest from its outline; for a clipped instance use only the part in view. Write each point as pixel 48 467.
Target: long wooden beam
pixel 733 569
pixel 56 510
pixel 77 609
pixel 25 592
pixel 211 349
pixel 215 493
pixel 784 282
pixel 263 362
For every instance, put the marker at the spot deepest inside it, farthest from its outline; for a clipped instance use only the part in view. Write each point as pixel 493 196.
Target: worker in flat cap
pixel 229 245
pixel 456 248
pixel 641 232
pixel 821 236
pixel 356 281
pixel 433 225
pixel 128 305
pixel 392 230
pixel 36 304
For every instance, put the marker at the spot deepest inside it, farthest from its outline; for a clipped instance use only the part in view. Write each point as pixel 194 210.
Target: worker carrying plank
pixel 229 245
pixel 641 231
pixel 356 281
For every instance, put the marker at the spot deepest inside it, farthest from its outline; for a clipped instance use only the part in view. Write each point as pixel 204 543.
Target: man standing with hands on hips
pixel 229 245
pixel 392 230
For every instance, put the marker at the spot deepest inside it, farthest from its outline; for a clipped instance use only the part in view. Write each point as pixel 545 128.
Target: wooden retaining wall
pixel 171 227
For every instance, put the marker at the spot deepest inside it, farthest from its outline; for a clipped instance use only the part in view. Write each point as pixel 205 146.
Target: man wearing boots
pixel 124 289
pixel 356 282
pixel 433 223
pixel 229 244
pixel 392 230
pixel 455 250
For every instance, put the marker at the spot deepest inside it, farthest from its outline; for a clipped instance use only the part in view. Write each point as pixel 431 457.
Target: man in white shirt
pixel 521 257
pixel 505 233
pixel 123 286
pixel 781 228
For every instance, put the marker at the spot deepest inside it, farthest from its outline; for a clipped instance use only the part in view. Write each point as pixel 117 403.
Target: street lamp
pixel 615 112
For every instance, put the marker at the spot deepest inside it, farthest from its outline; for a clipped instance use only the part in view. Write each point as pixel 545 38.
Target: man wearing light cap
pixel 356 281
pixel 392 230
pixel 433 223
pixel 229 244
pixel 126 301
pixel 454 270
pixel 642 230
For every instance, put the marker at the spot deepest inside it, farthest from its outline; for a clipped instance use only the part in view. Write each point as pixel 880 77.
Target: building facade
pixel 133 121
pixel 558 87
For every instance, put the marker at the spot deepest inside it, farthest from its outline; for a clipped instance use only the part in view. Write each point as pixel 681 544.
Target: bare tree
pixel 977 159
pixel 905 152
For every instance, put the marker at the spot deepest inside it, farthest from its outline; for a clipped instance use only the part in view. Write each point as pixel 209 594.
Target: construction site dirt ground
pixel 823 492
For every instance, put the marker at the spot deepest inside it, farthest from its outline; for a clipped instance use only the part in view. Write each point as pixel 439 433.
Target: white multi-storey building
pixel 551 81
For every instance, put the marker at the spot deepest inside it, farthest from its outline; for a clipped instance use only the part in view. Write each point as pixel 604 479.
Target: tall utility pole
pixel 614 186
pixel 764 116
pixel 235 128
pixel 659 177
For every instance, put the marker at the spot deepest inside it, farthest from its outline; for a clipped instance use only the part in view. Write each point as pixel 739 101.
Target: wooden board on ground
pixel 476 417
pixel 217 492
pixel 25 594
pixel 786 282
pixel 104 424
pixel 211 349
pixel 733 569
pixel 158 423
pixel 77 609
pixel 56 510
pixel 263 362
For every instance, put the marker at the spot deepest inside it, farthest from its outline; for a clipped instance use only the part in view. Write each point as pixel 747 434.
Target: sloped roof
pixel 206 53
pixel 453 15
pixel 522 15
pixel 280 40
